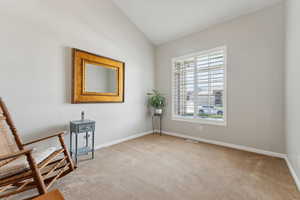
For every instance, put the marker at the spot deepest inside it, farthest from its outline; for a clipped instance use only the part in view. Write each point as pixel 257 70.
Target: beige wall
pixel 35 65
pixel 255 45
pixel 293 83
pixel 35 71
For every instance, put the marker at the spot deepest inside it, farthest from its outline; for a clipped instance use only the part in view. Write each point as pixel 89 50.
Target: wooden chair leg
pixel 66 152
pixel 37 175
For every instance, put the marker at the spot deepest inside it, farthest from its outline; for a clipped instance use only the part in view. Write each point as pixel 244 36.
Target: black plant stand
pixel 153 120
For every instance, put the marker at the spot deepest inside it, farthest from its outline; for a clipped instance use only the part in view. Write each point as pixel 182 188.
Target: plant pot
pixel 158 111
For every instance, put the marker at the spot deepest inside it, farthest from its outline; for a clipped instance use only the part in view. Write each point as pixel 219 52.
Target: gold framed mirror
pixel 97 79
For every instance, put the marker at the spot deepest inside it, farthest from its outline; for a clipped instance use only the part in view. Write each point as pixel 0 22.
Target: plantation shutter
pixel 198 85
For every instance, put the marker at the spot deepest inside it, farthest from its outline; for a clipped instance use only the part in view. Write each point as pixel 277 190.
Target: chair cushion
pixel 21 164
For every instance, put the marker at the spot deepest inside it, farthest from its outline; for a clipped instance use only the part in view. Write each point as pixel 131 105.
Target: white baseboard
pixel 233 146
pixel 122 140
pixel 244 148
pixel 294 175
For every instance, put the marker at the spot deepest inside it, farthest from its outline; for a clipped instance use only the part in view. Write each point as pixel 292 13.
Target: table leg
pixel 86 139
pixel 160 125
pixel 93 145
pixel 71 150
pixel 76 148
pixel 153 125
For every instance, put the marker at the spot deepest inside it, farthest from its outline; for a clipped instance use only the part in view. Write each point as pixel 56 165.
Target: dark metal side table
pixel 153 120
pixel 86 127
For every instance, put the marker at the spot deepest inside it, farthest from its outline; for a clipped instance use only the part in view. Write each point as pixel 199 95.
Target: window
pixel 199 87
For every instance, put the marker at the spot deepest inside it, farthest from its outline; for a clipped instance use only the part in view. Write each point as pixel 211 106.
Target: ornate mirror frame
pixel 79 93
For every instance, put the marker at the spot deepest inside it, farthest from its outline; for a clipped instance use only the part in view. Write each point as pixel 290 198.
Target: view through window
pixel 199 86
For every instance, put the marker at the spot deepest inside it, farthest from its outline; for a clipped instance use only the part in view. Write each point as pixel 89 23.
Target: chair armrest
pixel 45 138
pixel 16 154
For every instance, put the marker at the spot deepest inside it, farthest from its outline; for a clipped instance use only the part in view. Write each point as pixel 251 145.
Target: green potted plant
pixel 157 101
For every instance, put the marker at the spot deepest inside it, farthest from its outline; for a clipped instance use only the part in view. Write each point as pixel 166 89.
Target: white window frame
pixel 201 120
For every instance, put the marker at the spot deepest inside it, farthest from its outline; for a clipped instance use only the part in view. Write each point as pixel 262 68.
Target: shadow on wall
pixel 67 52
pixel 50 130
pixel 43 132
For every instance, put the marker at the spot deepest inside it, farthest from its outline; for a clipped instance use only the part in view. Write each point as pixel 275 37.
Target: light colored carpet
pixel 170 168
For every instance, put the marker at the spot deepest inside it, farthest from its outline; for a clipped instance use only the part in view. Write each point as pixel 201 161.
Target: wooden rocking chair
pixel 21 168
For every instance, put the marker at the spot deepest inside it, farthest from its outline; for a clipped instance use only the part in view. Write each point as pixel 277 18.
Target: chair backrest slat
pixel 7 143
pixel 11 124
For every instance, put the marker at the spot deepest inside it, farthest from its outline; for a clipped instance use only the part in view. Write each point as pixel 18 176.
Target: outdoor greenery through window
pixel 199 86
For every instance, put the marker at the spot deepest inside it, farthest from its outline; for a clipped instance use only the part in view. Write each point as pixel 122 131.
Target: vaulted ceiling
pixel 165 20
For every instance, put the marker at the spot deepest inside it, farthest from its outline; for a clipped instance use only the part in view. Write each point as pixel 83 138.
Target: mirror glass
pixel 100 79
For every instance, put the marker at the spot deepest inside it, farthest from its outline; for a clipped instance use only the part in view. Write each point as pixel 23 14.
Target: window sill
pixel 200 121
